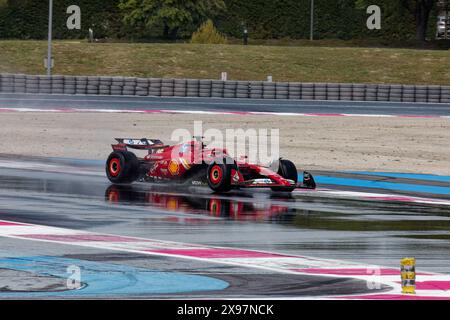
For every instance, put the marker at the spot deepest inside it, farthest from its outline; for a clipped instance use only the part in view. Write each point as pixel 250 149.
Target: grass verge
pixel 285 63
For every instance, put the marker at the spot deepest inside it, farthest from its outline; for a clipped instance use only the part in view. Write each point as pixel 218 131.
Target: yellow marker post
pixel 408 273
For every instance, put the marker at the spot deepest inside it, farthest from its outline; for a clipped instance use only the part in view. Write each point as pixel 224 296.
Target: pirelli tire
pixel 287 170
pixel 122 167
pixel 219 175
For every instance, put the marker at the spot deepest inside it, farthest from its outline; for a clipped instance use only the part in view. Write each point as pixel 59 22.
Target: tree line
pixel 178 19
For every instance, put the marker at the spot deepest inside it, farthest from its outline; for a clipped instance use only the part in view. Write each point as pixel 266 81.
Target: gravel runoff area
pixel 313 143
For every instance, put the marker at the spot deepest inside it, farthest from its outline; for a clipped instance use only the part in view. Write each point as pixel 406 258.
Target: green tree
pixel 28 19
pixel 167 18
pixel 208 34
pixel 418 10
pixel 421 10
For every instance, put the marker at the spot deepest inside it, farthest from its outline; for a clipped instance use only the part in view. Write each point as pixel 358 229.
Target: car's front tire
pixel 122 167
pixel 287 170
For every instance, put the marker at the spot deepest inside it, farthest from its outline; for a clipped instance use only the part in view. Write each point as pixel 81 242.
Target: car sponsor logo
pixel 135 142
pixel 154 157
pixel 173 167
pixel 262 181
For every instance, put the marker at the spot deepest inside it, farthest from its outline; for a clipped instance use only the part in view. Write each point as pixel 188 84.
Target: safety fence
pixel 128 86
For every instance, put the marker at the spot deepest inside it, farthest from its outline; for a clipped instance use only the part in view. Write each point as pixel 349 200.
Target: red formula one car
pixel 194 163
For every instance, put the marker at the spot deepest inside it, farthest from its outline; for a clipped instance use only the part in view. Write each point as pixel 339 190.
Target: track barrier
pixel 130 86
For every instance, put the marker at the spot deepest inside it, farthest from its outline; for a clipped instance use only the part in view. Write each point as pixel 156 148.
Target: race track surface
pixel 160 241
pixel 221 105
pixel 61 217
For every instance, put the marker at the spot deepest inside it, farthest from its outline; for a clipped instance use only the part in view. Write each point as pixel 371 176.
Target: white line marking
pixel 372 196
pixel 199 100
pixel 169 111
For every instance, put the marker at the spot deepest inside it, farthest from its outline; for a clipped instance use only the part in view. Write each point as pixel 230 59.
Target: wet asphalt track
pixel 377 233
pixel 370 232
pixel 211 104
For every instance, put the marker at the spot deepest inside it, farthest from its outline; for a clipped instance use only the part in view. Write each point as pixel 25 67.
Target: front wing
pixel 307 183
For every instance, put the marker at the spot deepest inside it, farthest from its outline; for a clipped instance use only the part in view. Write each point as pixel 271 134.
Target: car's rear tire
pixel 219 176
pixel 122 167
pixel 287 170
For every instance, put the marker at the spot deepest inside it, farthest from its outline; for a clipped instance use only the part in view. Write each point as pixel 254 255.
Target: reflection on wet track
pixel 369 232
pixel 244 209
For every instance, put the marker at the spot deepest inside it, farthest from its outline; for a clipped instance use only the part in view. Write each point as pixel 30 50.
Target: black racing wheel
pixel 287 170
pixel 122 167
pixel 219 175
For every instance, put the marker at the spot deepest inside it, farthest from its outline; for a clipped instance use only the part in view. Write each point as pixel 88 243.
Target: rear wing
pixel 139 144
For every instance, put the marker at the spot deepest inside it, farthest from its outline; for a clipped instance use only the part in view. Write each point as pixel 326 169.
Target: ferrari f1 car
pixel 193 162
